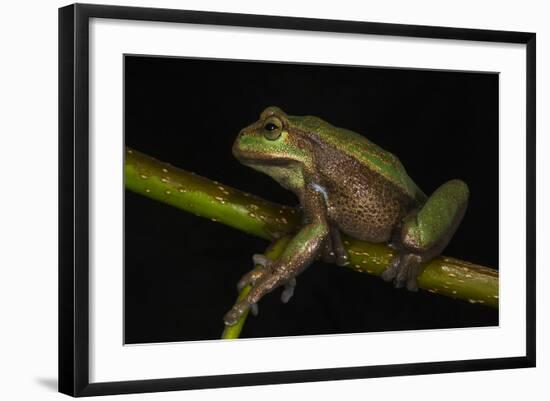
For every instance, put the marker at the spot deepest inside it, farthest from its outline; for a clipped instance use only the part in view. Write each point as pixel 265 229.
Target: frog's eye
pixel 273 128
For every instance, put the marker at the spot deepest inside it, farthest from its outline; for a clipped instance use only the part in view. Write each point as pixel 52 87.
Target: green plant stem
pixel 160 181
pixel 206 198
pixel 273 252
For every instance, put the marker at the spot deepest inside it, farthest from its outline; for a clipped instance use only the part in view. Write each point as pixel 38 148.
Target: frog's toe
pixel 288 291
pixel 233 316
pixel 404 271
pixel 262 260
pixel 230 319
pixel 250 278
pixel 412 278
pixel 391 271
pixel 263 266
pixel 254 309
pixel 409 281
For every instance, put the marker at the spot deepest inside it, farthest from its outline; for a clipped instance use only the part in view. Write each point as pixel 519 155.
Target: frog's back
pixel 367 153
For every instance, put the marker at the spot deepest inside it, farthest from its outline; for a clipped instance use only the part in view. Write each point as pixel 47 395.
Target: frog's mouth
pixel 259 159
pixel 264 161
pixel 256 159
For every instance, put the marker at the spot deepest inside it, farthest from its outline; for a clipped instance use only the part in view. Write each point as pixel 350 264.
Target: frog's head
pixel 272 140
pixel 276 146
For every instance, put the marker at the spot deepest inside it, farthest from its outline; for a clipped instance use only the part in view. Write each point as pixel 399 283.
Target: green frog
pixel 345 184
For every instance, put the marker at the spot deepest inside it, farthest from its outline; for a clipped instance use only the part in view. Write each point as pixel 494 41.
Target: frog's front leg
pixel 301 251
pixel 426 232
pixel 338 248
pixel 264 266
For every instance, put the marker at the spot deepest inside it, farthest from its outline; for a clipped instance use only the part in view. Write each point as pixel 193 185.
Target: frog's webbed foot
pixel 233 316
pixel 404 270
pixel 263 269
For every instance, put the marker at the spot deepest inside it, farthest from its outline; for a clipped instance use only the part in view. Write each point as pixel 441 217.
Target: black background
pixel 181 270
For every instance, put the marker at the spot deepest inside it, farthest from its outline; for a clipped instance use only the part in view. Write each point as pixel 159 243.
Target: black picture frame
pixel 74 198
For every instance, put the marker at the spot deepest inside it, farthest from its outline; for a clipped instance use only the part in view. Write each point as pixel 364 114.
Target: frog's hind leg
pixel 426 232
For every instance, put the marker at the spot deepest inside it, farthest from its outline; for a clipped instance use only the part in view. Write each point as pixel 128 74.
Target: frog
pixel 346 185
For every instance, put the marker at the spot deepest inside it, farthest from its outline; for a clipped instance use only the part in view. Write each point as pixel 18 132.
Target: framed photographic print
pixel 250 199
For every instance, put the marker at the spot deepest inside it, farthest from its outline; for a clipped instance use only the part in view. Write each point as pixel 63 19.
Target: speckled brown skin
pixel 362 204
pixel 344 184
